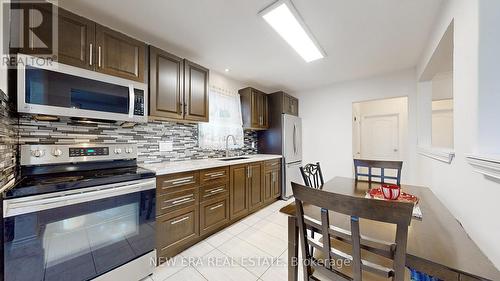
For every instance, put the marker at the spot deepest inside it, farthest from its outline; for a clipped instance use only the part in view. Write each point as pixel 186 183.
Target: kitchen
pixel 139 150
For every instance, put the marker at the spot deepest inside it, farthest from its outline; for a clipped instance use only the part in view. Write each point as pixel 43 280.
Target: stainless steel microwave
pixel 52 88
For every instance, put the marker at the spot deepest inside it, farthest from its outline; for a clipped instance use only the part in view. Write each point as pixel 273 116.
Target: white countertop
pixel 173 167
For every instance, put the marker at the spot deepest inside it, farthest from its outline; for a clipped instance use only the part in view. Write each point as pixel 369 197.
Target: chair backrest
pixel 312 175
pixel 393 212
pixel 395 166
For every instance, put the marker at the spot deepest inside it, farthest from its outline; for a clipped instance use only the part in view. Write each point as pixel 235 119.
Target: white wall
pixel 327 125
pixel 454 183
pixel 442 86
pixel 219 80
pixel 442 123
pixel 489 74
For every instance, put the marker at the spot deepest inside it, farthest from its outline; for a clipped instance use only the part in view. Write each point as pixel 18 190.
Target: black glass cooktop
pixel 47 183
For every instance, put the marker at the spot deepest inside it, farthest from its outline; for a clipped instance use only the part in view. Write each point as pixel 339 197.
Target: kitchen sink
pixel 233 158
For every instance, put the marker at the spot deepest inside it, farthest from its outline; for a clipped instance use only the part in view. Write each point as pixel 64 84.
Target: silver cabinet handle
pixel 99 56
pixel 176 202
pixel 214 191
pixel 213 175
pixel 216 207
pixel 179 181
pixel 217 190
pixel 179 220
pixel 91 56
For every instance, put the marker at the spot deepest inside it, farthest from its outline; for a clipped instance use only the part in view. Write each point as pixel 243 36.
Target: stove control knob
pixel 118 150
pixel 129 150
pixel 57 152
pixel 37 153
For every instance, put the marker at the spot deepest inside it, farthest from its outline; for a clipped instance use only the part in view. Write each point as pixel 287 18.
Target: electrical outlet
pixel 166 146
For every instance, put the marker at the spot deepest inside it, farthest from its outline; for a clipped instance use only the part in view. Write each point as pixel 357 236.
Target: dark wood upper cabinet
pixel 178 88
pixel 254 109
pixel 285 103
pixel 195 92
pixel 76 40
pixel 165 77
pixel 119 55
pixel 80 42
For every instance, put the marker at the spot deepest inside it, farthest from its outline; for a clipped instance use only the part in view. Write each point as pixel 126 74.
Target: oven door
pixel 78 235
pixel 53 88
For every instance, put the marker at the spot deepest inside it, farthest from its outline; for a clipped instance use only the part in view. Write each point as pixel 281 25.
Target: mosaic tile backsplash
pixel 147 137
pixel 8 142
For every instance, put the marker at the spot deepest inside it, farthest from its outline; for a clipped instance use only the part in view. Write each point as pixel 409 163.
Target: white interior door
pixel 380 137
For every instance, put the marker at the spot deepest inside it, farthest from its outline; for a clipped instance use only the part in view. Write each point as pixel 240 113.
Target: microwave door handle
pixel 131 98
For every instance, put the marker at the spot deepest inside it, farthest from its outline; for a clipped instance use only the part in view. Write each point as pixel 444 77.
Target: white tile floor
pixel 253 249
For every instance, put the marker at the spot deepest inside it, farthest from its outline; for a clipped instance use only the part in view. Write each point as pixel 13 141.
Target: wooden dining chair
pixel 312 175
pixel 394 166
pixel 353 267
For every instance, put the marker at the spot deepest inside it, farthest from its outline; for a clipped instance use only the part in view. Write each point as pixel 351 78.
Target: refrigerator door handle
pixel 294 139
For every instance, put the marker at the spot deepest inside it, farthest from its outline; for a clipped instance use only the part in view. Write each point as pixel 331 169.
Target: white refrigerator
pixel 292 152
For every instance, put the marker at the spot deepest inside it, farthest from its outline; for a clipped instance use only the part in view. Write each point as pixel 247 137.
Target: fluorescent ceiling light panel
pixel 283 17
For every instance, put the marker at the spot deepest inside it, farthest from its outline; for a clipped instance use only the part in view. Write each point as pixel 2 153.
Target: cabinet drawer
pixel 169 202
pixel 176 182
pixel 214 190
pixel 272 164
pixel 176 230
pixel 214 175
pixel 214 214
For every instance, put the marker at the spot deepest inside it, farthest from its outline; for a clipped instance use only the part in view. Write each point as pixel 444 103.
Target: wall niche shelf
pixel 488 165
pixel 443 155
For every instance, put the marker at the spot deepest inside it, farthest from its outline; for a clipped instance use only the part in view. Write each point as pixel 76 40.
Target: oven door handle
pixel 19 206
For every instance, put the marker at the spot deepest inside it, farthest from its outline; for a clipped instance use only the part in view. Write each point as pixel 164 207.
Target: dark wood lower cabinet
pixel 193 205
pixel 214 213
pixel 176 229
pixel 255 186
pixel 238 192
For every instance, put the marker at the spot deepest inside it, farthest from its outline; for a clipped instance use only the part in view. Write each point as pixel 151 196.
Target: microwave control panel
pixel 139 103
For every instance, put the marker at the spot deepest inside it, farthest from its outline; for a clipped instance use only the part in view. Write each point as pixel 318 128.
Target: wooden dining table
pixel 438 245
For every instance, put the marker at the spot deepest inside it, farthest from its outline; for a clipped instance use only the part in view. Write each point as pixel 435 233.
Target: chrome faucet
pixel 227 143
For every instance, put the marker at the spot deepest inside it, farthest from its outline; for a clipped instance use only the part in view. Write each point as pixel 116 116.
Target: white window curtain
pixel 225 119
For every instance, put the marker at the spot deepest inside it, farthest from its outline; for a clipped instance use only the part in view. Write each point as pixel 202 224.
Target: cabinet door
pixel 119 55
pixel 238 195
pixel 195 92
pixel 76 40
pixel 294 106
pixel 166 72
pixel 175 230
pixel 268 186
pixel 276 183
pixel 265 112
pixel 213 214
pixel 256 109
pixel 256 194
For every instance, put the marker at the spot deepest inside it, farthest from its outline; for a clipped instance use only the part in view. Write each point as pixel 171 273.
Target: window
pixel 225 119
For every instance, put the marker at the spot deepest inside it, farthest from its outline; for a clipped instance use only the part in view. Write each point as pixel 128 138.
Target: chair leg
pixel 311 248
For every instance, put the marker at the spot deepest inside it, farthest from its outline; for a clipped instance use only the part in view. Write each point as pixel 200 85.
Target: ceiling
pixel 361 38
